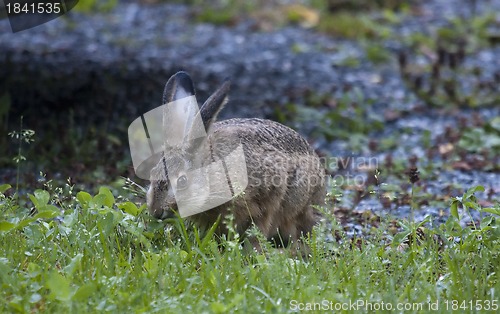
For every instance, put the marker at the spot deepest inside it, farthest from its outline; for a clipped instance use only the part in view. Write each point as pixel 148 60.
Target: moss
pixel 352 26
pixel 377 54
pixel 217 17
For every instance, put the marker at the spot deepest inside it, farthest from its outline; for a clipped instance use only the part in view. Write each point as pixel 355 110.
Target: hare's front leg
pixel 250 212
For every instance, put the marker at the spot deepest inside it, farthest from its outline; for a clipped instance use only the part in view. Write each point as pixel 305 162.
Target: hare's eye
pixel 182 182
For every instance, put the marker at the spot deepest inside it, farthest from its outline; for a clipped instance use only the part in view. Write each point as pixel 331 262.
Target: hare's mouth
pixel 168 212
pixel 162 214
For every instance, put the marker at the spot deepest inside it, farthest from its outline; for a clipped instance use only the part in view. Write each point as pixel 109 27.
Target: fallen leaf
pixel 445 148
pixel 303 15
pixel 461 165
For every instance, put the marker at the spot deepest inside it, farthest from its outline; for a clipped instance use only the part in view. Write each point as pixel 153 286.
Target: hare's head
pixel 180 177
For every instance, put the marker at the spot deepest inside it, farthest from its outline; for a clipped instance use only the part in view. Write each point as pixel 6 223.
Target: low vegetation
pixel 73 251
pixel 87 245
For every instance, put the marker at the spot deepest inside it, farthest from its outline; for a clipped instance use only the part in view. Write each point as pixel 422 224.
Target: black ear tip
pixel 184 81
pixel 180 81
pixel 181 75
pixel 226 84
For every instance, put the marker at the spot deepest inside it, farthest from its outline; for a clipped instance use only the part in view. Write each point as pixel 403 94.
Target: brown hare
pixel 284 177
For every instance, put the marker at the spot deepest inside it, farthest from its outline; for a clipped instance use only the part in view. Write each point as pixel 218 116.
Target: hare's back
pixel 262 135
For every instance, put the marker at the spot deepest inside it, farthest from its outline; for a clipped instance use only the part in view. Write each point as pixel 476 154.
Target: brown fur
pixel 285 177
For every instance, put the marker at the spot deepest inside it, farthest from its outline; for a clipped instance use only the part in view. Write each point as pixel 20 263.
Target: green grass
pixel 353 26
pixel 84 253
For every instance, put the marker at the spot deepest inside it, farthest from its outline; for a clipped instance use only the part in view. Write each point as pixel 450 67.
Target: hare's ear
pixel 178 86
pixel 181 120
pixel 214 105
